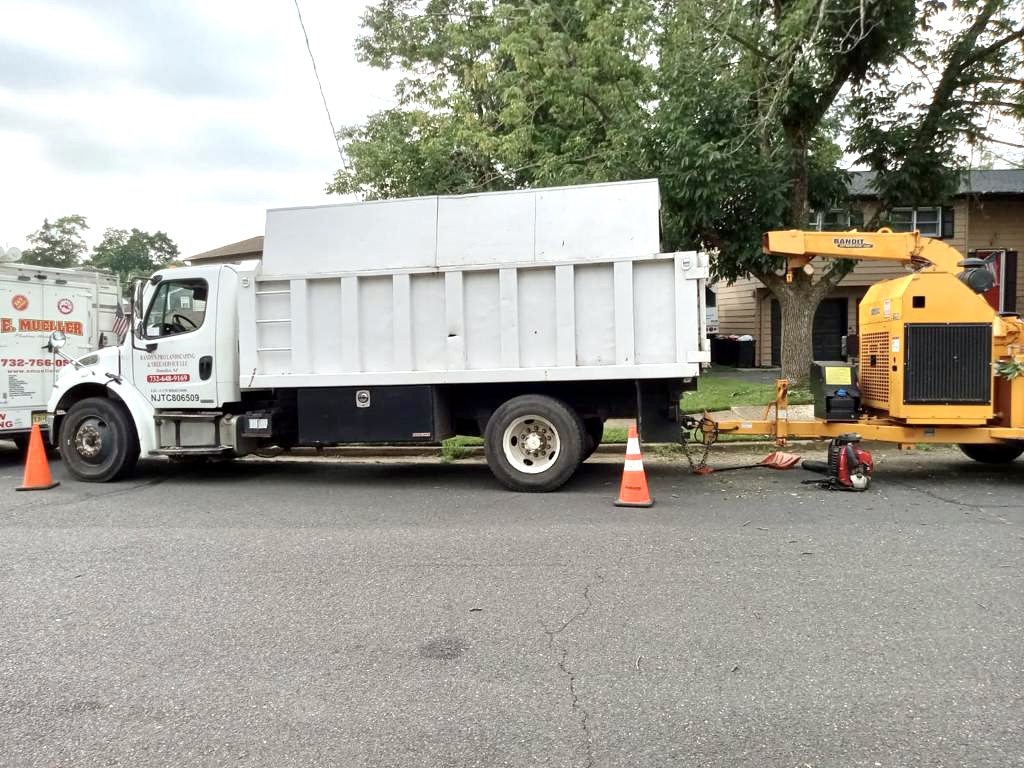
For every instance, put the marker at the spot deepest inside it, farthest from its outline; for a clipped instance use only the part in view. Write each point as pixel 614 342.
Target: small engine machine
pixel 835 391
pixel 848 468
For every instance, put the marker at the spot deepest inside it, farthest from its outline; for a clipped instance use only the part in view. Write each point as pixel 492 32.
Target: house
pixel 230 254
pixel 985 218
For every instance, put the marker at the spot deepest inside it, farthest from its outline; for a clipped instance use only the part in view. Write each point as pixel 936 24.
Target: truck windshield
pixel 178 306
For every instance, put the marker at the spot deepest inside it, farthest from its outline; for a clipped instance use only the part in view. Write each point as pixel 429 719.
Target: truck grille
pixel 874 366
pixel 948 363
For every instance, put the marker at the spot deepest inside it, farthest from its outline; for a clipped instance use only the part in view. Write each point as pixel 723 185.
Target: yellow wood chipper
pixel 937 364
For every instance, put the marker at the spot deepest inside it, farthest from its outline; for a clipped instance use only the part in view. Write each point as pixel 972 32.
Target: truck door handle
pixel 205 367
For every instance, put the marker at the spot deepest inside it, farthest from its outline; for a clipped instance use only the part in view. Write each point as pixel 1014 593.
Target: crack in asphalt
pixel 563 667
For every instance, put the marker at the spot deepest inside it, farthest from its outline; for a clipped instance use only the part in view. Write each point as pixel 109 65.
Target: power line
pixel 316 74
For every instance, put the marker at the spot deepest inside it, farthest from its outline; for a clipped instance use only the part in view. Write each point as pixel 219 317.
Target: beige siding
pixel 745 306
pixel 740 306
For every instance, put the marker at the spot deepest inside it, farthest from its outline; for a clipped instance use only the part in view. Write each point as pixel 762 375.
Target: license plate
pixel 39 417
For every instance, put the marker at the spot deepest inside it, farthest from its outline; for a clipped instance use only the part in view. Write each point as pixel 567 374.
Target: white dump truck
pixel 527 317
pixel 35 301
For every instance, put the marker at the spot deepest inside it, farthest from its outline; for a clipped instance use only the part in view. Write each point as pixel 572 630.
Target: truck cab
pixel 161 392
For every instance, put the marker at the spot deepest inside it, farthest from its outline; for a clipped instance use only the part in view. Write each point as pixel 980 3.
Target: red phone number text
pixel 28 362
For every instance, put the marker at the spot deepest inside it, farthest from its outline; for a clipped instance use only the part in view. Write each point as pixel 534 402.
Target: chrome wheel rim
pixel 531 444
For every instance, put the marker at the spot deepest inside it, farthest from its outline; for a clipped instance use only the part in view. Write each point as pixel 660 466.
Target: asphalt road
pixel 312 613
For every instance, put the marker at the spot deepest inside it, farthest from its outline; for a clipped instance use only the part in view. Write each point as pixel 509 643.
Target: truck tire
pixel 534 443
pixel 98 441
pixel 594 433
pixel 993 453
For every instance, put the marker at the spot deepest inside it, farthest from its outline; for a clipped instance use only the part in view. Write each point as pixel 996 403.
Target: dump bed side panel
pixel 611 319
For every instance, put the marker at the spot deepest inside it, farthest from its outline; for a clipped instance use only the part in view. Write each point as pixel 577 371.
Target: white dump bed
pixel 590 222
pixel 491 299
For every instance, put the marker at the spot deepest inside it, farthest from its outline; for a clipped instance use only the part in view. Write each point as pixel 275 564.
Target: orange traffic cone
pixel 634 492
pixel 37 469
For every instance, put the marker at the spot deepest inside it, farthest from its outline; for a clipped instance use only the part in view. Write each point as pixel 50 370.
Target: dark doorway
pixel 830 325
pixel 829 329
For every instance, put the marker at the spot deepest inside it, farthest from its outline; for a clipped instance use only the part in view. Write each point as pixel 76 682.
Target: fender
pixel 139 408
pixel 143 415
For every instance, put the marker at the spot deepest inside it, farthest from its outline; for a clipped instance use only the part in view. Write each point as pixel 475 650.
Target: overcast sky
pixel 187 116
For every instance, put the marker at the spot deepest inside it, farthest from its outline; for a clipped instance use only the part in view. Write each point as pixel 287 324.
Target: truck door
pixel 174 357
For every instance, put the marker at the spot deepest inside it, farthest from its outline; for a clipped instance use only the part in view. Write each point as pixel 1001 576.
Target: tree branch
pixel 950 79
pixel 983 53
pixel 1006 143
pixel 748 44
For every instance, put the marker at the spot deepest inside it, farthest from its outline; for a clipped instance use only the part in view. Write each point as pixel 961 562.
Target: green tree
pixel 133 253
pixel 501 95
pixel 58 243
pixel 744 110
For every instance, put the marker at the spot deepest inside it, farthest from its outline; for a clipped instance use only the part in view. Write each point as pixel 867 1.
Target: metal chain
pixel 703 431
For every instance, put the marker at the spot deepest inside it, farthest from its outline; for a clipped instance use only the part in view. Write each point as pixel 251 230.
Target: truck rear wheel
pixel 993 453
pixel 98 441
pixel 594 433
pixel 534 443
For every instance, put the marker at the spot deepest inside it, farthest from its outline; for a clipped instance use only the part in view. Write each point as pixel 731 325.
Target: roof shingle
pixel 977 182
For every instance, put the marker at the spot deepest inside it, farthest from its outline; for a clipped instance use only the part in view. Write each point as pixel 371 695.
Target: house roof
pixel 977 182
pixel 251 248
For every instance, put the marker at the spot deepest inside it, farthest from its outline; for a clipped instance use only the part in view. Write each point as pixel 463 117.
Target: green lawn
pixel 718 389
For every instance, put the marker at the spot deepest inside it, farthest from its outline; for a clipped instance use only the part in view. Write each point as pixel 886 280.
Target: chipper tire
pixel 98 441
pixel 534 443
pixel 993 453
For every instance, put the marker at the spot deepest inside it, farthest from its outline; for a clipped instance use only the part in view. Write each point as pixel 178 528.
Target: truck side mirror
pixel 57 340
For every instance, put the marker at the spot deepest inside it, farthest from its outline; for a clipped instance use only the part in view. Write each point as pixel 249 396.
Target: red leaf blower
pixel 848 468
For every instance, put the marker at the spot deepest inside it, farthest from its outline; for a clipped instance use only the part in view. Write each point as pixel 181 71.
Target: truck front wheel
pixel 993 453
pixel 534 443
pixel 98 441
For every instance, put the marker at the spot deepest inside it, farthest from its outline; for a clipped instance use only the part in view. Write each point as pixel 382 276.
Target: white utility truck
pixel 526 317
pixel 35 301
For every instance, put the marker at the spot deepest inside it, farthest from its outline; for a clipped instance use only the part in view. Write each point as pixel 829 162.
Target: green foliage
pixel 133 253
pixel 966 64
pixel 58 243
pixel 504 94
pixel 745 111
pixel 1009 369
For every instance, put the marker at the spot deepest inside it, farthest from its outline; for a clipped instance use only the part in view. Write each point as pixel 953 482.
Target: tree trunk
pixel 798 305
pixel 798 301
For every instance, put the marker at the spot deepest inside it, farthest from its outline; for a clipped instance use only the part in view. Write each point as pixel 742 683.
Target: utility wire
pixel 334 132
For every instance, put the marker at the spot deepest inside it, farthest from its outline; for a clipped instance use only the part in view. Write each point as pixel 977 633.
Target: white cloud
pixel 188 117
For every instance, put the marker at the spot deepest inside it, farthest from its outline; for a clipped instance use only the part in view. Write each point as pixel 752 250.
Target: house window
pixel 836 220
pixel 927 221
